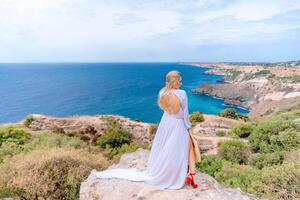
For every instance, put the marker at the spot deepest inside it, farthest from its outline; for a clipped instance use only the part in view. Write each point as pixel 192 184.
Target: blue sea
pixel 128 89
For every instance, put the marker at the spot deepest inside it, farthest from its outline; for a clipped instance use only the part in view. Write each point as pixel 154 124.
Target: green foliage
pixel 9 149
pixel 262 160
pixel 281 181
pixel 210 164
pixel 54 140
pixel 48 174
pixel 228 113
pixel 196 117
pixel 234 150
pixel 137 119
pixel 220 133
pixel 265 139
pixel 242 176
pixel 295 79
pixel 14 134
pixel 242 130
pixel 28 121
pixel 153 129
pixel 114 136
pixel 125 148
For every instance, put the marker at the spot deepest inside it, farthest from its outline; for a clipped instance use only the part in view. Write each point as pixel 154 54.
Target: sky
pixel 149 30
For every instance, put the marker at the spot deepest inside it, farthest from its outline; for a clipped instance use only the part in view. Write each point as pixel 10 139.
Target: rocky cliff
pixel 114 189
pixel 262 89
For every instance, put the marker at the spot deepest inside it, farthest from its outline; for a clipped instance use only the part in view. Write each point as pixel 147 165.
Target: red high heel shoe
pixel 191 180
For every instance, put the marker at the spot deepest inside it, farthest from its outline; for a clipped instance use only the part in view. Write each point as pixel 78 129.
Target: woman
pixel 171 154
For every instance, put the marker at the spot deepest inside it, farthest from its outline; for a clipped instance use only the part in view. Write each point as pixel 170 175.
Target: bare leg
pixel 192 166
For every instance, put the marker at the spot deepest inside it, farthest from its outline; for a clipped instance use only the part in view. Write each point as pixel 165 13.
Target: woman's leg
pixel 192 167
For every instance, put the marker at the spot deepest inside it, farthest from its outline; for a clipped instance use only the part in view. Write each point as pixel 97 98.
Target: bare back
pixel 170 102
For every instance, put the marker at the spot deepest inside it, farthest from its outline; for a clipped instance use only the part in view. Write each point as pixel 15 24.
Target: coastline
pixel 221 81
pixel 260 88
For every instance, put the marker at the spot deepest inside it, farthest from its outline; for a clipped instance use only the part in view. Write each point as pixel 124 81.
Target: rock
pixel 89 128
pixel 267 107
pixel 238 95
pixel 114 189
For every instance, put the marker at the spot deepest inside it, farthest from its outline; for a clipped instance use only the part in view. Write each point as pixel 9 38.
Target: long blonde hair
pixel 171 78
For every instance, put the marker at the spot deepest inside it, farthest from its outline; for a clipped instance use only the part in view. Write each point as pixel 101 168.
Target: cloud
pixel 90 30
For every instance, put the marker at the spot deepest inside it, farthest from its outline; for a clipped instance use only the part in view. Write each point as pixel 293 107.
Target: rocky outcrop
pixel 269 106
pixel 238 95
pixel 89 128
pixel 256 87
pixel 115 189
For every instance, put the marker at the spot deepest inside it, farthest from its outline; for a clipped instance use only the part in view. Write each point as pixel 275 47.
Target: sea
pixel 70 89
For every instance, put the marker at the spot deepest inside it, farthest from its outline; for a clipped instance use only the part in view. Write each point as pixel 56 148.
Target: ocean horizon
pixel 127 89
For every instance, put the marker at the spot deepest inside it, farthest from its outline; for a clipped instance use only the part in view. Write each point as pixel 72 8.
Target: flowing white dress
pixel 167 165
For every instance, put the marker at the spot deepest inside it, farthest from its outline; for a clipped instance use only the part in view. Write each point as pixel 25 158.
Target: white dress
pixel 167 165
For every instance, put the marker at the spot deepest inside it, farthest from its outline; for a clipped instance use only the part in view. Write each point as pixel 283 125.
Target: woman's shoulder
pixel 181 92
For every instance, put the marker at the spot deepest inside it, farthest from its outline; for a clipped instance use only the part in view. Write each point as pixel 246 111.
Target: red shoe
pixel 190 180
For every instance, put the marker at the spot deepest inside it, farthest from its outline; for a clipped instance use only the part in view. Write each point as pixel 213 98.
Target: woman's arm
pixel 187 121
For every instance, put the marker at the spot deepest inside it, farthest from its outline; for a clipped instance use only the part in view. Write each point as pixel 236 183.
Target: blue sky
pixel 149 30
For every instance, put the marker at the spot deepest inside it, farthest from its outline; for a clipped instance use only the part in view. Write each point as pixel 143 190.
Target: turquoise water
pixel 128 89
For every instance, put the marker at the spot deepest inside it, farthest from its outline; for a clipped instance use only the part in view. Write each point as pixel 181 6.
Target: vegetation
pixel 229 113
pixel 242 130
pixel 266 163
pixel 234 150
pixel 114 136
pixel 28 121
pixel 196 117
pixel 13 134
pixel 220 133
pixel 51 165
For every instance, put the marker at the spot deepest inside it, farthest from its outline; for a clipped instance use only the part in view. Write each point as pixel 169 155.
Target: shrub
pixel 266 159
pixel 242 130
pixel 137 119
pixel 48 174
pixel 196 117
pixel 281 181
pixel 153 129
pixel 211 164
pixel 234 150
pixel 14 134
pixel 243 176
pixel 52 140
pixel 220 133
pixel 9 149
pixel 229 113
pixel 125 148
pixel 115 136
pixel 260 137
pixel 28 121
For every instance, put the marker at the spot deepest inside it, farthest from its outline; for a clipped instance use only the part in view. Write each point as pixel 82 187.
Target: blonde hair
pixel 171 78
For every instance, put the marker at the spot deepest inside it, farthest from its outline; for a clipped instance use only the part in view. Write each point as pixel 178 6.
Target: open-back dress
pixel 167 165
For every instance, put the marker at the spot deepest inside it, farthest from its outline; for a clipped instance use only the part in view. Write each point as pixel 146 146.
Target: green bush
pixel 28 121
pixel 14 134
pixel 228 113
pixel 125 148
pixel 48 173
pixel 243 176
pixel 234 150
pixel 210 164
pixel 260 137
pixel 220 133
pixel 55 140
pixel 266 159
pixel 9 149
pixel 242 130
pixel 281 181
pixel 196 117
pixel 114 136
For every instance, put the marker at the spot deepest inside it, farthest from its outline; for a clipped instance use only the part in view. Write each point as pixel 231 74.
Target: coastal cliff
pixel 264 89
